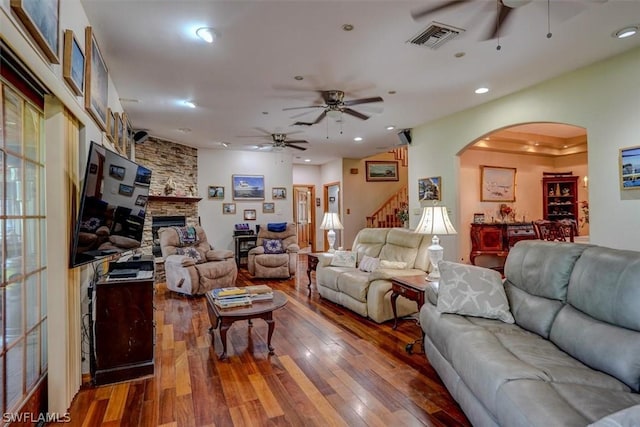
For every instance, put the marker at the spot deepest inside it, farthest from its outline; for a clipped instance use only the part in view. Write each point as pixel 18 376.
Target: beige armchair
pixel 191 265
pixel 282 265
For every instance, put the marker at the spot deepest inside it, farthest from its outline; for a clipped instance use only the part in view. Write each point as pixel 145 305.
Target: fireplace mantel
pixel 186 199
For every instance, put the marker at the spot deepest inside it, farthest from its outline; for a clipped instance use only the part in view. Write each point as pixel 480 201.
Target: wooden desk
pixel 410 287
pixel 497 238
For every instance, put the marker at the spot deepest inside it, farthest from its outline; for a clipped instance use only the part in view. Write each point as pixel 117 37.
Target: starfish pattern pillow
pixel 472 291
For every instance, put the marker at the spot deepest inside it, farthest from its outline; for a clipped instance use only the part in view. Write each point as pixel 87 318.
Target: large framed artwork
pixel 247 187
pixel 630 168
pixel 497 184
pixel 41 19
pixel 96 81
pixel 73 63
pixel 430 188
pixel 381 170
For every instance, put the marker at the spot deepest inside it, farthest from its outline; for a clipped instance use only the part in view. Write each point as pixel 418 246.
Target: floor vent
pixel 435 35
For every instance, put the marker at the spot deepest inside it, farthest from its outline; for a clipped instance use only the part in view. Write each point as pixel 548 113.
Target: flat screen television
pixel 113 203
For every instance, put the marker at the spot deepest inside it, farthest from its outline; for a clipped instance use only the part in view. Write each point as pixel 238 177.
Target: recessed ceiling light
pixel 625 32
pixel 184 130
pixel 299 78
pixel 224 144
pixel 459 54
pixel 536 144
pixel 129 100
pixel 347 27
pixel 190 104
pixel 357 138
pixel 482 90
pixel 565 146
pixel 265 112
pixel 391 92
pixel 391 127
pixel 207 34
pixel 307 160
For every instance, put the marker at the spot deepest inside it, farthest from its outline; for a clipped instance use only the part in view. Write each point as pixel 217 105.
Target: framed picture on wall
pixel 497 184
pixel 96 91
pixel 116 172
pixel 216 192
pixel 40 18
pixel 228 208
pixel 250 214
pixel 429 188
pixel 268 207
pixel 125 190
pixel 630 168
pixel 279 193
pixel 73 63
pixel 381 170
pixel 247 187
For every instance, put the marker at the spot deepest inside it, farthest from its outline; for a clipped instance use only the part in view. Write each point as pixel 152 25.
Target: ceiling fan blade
pixel 504 12
pixel 296 147
pixel 320 117
pixel 355 113
pixel 297 141
pixel 302 124
pixel 418 14
pixel 363 101
pixel 298 108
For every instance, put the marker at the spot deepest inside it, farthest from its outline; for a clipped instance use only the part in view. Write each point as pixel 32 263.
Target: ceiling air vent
pixel 435 35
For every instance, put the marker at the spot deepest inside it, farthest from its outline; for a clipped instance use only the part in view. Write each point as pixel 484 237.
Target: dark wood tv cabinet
pixel 124 328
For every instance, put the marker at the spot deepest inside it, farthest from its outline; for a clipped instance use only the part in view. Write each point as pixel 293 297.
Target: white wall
pixel 215 167
pixel 310 175
pixel 364 197
pixel 603 98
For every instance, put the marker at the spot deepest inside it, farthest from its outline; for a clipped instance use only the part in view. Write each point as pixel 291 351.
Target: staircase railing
pixel 386 216
pixel 401 153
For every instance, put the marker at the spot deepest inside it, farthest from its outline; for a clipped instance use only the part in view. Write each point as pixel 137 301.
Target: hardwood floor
pixel 330 368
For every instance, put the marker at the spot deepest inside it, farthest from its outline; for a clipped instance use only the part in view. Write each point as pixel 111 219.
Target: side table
pixel 312 264
pixel 412 288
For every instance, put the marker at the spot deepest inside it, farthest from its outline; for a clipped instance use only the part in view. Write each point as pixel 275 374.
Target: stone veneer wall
pixel 168 159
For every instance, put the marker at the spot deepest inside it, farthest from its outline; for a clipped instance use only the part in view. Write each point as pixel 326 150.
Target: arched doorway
pixel 529 150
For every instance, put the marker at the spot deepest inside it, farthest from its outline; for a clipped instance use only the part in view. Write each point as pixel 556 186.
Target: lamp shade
pixel 435 220
pixel 331 221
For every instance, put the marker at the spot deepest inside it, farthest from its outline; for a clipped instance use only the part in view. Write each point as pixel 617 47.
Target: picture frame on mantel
pixel 497 184
pixel 41 20
pixel 96 80
pixel 73 64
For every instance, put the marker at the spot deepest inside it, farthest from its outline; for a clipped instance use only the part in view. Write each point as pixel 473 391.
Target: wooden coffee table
pixel 223 318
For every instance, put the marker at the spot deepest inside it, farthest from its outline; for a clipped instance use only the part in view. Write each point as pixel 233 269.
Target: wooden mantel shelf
pixel 186 199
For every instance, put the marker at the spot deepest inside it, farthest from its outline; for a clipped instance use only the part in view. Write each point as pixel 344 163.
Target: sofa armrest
pixel 293 248
pixel 181 260
pixel 324 260
pixel 219 254
pixel 256 250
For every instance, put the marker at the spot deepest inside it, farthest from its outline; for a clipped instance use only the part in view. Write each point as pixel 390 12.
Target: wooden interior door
pixel 303 215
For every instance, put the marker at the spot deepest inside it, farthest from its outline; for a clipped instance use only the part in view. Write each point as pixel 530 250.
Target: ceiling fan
pixel 504 11
pixel 279 141
pixel 334 103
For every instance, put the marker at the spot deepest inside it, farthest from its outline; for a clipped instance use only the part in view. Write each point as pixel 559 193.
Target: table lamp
pixel 435 220
pixel 331 221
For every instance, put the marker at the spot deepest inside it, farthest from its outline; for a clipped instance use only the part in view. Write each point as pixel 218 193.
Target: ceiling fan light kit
pixel 335 106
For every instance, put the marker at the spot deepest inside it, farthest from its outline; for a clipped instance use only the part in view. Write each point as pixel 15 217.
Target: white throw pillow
pixel 368 264
pixel 472 291
pixel 395 265
pixel 343 259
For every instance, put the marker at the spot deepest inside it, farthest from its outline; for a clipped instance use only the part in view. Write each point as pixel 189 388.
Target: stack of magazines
pixel 231 297
pixel 259 292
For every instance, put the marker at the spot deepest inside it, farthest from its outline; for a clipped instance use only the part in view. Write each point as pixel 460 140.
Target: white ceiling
pixel 242 82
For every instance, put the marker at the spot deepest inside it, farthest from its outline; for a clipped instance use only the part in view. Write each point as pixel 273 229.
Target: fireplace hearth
pixel 158 222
